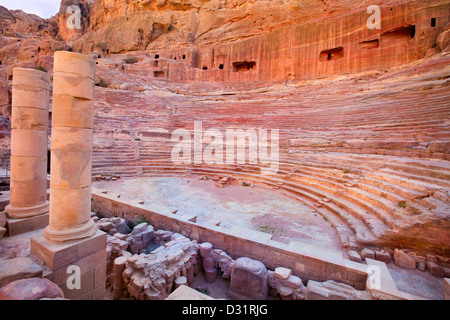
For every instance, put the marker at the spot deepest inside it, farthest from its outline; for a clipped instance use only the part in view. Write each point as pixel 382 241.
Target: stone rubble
pixel 283 283
pixel 223 262
pixel 152 276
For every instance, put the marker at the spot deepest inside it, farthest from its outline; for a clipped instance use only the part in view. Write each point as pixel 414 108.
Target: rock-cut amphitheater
pixel 226 149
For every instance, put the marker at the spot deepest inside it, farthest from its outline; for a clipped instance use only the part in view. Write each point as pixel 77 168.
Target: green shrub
pixel 41 68
pixel 402 204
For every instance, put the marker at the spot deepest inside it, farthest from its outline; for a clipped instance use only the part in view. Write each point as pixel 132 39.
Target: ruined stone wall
pixel 240 242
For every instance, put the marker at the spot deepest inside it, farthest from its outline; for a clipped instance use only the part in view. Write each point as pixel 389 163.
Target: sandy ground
pixel 256 208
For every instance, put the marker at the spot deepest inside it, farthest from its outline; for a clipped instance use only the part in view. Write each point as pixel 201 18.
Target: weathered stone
pixel 248 279
pixel 2 219
pixel 331 290
pixel 210 275
pixel 443 40
pixel 152 276
pixel 446 289
pixel 282 273
pixel 224 262
pixel 206 249
pixel 354 256
pixel 292 282
pixel 106 226
pixel 30 289
pixel 435 269
pixel 181 281
pixel 122 227
pixel 382 256
pixel 403 260
pixel 421 266
pixel 18 268
pixel 367 253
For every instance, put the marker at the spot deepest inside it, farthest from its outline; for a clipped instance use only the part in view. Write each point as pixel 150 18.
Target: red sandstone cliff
pixel 164 64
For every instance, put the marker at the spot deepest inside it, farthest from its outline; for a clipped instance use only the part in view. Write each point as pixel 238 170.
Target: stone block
pixel 73 112
pixel 98 293
pixel 367 253
pixel 36 145
pixel 31 78
pixel 18 268
pixel 331 290
pixel 282 273
pixel 100 276
pixel 86 286
pixel 186 293
pixel 91 245
pixel 435 269
pixel 72 63
pixel 56 255
pixel 403 260
pixel 210 275
pixel 206 249
pixel 53 255
pixel 248 280
pixel 382 256
pixel 446 289
pixel 19 226
pixel 73 85
pixel 354 256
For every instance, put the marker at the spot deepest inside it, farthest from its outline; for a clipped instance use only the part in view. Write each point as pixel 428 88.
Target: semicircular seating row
pixel 377 191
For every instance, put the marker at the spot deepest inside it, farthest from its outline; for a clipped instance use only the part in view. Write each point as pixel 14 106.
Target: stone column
pixel 29 126
pixel 71 148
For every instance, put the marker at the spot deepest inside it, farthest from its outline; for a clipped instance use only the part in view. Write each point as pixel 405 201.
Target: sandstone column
pixel 29 126
pixel 71 148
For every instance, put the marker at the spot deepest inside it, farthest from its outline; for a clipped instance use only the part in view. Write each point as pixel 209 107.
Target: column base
pixel 15 227
pixel 88 254
pixel 26 212
pixel 85 230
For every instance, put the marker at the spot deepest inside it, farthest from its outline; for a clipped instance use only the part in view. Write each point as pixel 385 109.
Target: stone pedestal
pixel 29 126
pixel 71 148
pixel 19 226
pixel 89 254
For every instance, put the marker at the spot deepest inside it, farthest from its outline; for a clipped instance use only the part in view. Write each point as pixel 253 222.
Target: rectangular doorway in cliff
pixel 243 66
pixel 332 54
pixel 433 22
pixel 159 74
pixel 398 35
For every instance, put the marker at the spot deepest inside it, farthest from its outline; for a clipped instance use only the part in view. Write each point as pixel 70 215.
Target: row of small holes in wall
pixel 220 67
pixel 184 57
pixel 338 53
